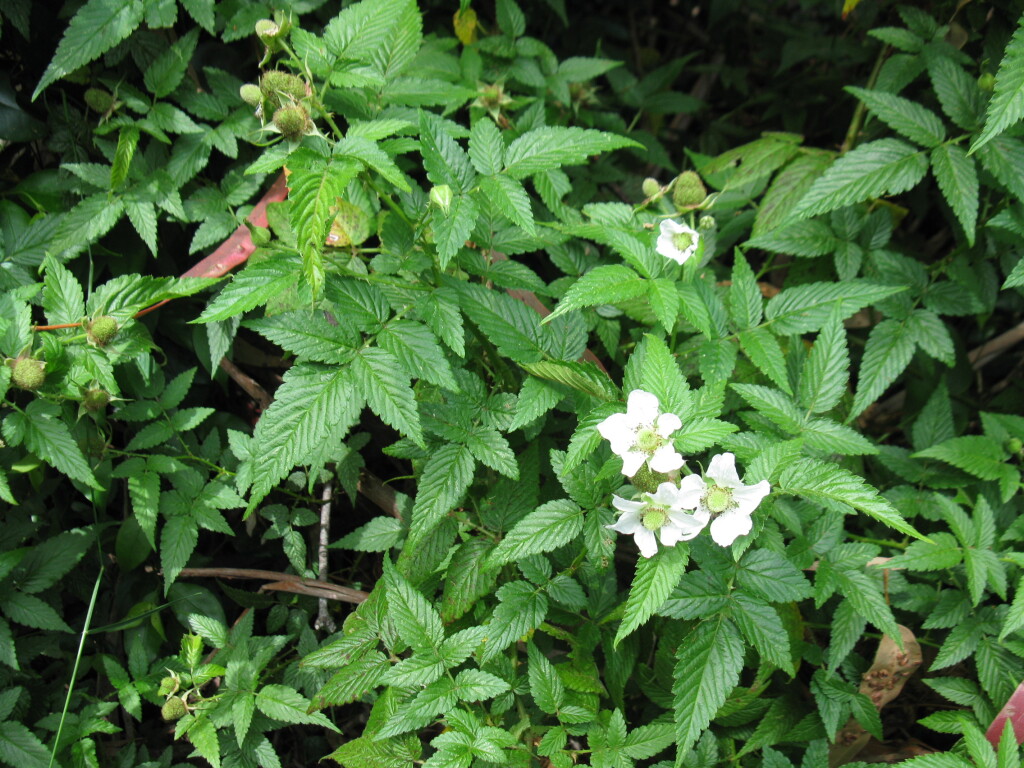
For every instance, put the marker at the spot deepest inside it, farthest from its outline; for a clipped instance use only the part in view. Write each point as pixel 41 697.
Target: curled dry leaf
pixel 882 683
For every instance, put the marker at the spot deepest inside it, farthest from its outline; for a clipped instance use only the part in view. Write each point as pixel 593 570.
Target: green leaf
pixel 958 92
pixel 127 141
pixel 1007 104
pixel 453 228
pixel 168 69
pixel 522 607
pixel 817 480
pixel 708 665
pixel 416 348
pixel 886 166
pixel 867 599
pixel 888 352
pixel 931 334
pixel 507 323
pixel 446 476
pixel 958 180
pixel 1015 616
pixel 545 685
pixel 772 404
pixel 917 123
pixel 385 386
pixel 654 581
pixel 653 368
pixel 312 192
pixel 372 156
pixel 178 540
pixel 941 552
pixel 763 350
pixel 548 527
pixel 257 284
pixel 602 285
pixel 486 147
pixel 826 373
pixel 664 300
pixel 975 454
pixel 800 238
pixel 308 335
pixel 746 305
pixel 444 161
pixel 509 196
pixel 1016 277
pixel 279 702
pixel 762 627
pixel 477 685
pixel 787 189
pixel 772 577
pixel 20 747
pixel 806 308
pixel 417 622
pixel 312 403
pixel 48 437
pixel 828 436
pixel 63 299
pixel 30 611
pixel 142 215
pixel 378 535
pixel 97 27
pixel 468 578
pixel 583 377
pixel 544 149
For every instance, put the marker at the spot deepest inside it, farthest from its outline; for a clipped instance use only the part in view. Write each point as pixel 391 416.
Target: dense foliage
pixel 740 281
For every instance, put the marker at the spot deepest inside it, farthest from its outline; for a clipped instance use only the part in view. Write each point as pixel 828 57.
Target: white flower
pixel 677 241
pixel 661 512
pixel 727 501
pixel 641 434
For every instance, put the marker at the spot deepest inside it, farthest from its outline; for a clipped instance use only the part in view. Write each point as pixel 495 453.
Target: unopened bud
pixel 650 187
pixel 442 196
pixel 251 94
pixel 688 191
pixel 95 399
pixel 1014 445
pixel 987 82
pixel 28 373
pixel 293 122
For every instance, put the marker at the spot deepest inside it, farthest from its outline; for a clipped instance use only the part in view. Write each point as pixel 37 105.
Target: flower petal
pixel 629 524
pixel 632 461
pixel 691 488
pixel 666 459
pixel 670 534
pixel 665 495
pixel 627 505
pixel 668 423
pixel 747 497
pixel 642 407
pixel 722 470
pixel 619 430
pixel 646 542
pixel 728 527
pixel 688 525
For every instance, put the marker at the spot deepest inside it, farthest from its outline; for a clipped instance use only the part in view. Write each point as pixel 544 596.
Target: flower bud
pixel 650 187
pixel 688 191
pixel 269 33
pixel 102 330
pixel 260 235
pixel 169 685
pixel 28 373
pixel 987 82
pixel 1014 445
pixel 293 122
pixel 442 196
pixel 251 94
pixel 173 709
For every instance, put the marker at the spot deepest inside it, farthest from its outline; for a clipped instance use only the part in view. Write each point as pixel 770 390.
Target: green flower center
pixel 682 240
pixel 648 440
pixel 718 499
pixel 654 517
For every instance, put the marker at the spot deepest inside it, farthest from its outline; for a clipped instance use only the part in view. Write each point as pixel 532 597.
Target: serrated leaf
pixel 63 299
pixel 787 189
pixel 771 576
pixel 941 552
pixel 443 159
pixel 1007 104
pixel 545 685
pixel 867 600
pixel 486 147
pixel 958 180
pixel 664 300
pixel 829 482
pixel 904 116
pixel 584 377
pixel 806 308
pixel 889 350
pixel 931 334
pixel 763 350
pixel 30 611
pixel 509 196
pixel 548 527
pixel 97 27
pixel 287 705
pixel 654 581
pixel 826 435
pixel 807 238
pixel 178 540
pixel 746 305
pixel 255 285
pixel 607 284
pixel 886 166
pixel 772 404
pixel 417 350
pixel 509 324
pixel 521 607
pixel 544 149
pixel 826 373
pixel 385 386
pixel 417 622
pixel 708 665
pixel 308 335
pixel 313 193
pixel 446 476
pixel 958 92
pixel 762 627
pixel 312 403
pixel 20 747
pixel 453 228
pixel 49 438
pixel 477 685
pixel 367 151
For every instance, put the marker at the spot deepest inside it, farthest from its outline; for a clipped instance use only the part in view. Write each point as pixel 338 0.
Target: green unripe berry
pixel 173 709
pixel 293 122
pixel 1014 445
pixel 987 82
pixel 99 100
pixel 650 187
pixel 28 373
pixel 688 191
pixel 102 330
pixel 95 399
pixel 281 87
pixel 168 685
pixel 251 94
